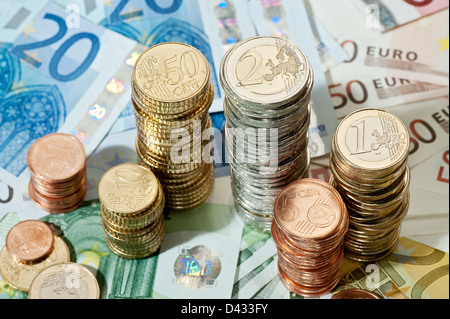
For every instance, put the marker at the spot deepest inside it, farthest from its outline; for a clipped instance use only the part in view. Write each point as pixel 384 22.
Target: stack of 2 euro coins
pixel 267 81
pixel 309 226
pixel 369 168
pixel 30 248
pixel 57 164
pixel 132 204
pixel 172 93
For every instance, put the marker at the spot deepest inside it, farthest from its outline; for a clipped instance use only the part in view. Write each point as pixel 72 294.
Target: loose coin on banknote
pixel 65 281
pixel 30 241
pixel 19 275
pixel 356 294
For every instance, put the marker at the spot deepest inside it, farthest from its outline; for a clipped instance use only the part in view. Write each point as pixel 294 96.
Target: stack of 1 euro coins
pixel 172 93
pixel 310 222
pixel 369 168
pixel 57 164
pixel 30 247
pixel 132 205
pixel 268 82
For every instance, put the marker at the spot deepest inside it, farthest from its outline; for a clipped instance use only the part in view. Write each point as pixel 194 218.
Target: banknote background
pixel 360 60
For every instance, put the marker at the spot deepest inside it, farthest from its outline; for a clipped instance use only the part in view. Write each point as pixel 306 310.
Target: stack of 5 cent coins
pixel 172 93
pixel 369 168
pixel 310 222
pixel 132 205
pixel 30 247
pixel 57 164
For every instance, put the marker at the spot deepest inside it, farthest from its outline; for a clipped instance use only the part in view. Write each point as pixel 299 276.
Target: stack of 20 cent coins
pixel 267 81
pixel 368 161
pixel 172 94
pixel 310 222
pixel 132 205
pixel 57 164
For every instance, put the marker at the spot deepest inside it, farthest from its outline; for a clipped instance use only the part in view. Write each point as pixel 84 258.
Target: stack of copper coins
pixel 30 247
pixel 132 205
pixel 268 82
pixel 310 222
pixel 57 164
pixel 369 169
pixel 172 94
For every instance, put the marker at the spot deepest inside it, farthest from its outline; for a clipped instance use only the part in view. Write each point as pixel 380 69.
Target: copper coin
pixel 56 157
pixel 30 241
pixel 356 294
pixel 309 208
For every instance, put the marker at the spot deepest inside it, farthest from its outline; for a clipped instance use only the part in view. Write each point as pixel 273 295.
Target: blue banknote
pixel 56 76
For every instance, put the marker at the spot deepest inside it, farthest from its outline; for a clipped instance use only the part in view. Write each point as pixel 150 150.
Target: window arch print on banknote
pixel 26 113
pixel 180 31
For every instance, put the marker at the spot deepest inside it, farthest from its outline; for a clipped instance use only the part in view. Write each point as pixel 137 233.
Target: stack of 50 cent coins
pixel 369 168
pixel 57 164
pixel 172 93
pixel 30 247
pixel 310 222
pixel 132 205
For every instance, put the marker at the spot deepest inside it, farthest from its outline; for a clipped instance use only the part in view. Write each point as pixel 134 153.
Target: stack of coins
pixel 65 281
pixel 172 94
pixel 267 81
pixel 132 205
pixel 57 164
pixel 310 222
pixel 369 169
pixel 30 247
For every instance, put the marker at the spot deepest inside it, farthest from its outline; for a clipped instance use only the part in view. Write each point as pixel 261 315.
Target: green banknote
pixel 197 259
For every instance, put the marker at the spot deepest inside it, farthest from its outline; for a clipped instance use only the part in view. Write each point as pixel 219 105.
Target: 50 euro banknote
pixel 383 71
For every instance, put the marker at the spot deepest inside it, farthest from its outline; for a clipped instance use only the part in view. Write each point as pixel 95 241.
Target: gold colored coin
pixel 20 276
pixel 128 189
pixel 171 72
pixel 65 281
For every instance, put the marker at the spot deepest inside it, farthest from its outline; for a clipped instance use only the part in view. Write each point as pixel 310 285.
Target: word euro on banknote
pixel 57 77
pixel 416 52
pixel 385 15
pixel 428 126
pixel 289 19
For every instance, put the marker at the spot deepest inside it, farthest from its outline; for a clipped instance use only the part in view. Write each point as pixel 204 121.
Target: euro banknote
pixel 385 15
pixel 417 51
pixel 289 19
pixel 57 77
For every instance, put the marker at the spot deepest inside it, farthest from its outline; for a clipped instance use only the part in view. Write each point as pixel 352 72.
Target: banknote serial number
pixel 238 308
